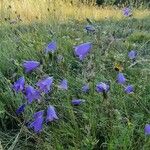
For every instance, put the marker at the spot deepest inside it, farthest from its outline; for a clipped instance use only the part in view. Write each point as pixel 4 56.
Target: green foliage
pixel 139 37
pixel 118 124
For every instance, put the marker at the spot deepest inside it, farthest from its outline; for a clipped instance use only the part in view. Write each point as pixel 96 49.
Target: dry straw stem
pixel 31 10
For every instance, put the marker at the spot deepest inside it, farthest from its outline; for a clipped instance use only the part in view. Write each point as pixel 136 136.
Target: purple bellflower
pixel 30 65
pixel 85 88
pixel 63 84
pixel 45 84
pixel 77 102
pixel 90 28
pixel 121 78
pixel 31 94
pixel 82 50
pixel 37 124
pixel 19 84
pixel 51 114
pixel 127 12
pixel 129 89
pixel 51 47
pixel 102 87
pixel 20 109
pixel 147 129
pixel 132 55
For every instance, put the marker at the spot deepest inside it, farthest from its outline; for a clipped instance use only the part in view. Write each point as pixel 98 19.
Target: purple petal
pixel 19 84
pixel 31 94
pixel 77 102
pixel 129 89
pixel 85 88
pixel 37 124
pixel 45 84
pixel 63 84
pixel 51 47
pixel 102 87
pixel 20 109
pixel 38 114
pixel 82 50
pixel 132 54
pixel 30 65
pixel 51 114
pixel 90 28
pixel 121 79
pixel 147 129
pixel 127 12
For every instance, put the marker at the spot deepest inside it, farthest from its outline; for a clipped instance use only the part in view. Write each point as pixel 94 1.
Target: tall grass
pixel 60 11
pixel 91 125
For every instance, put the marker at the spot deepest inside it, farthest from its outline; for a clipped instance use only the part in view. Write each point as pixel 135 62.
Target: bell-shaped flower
pixel 102 87
pixel 19 85
pixel 45 84
pixel 129 89
pixel 51 114
pixel 127 12
pixel 37 124
pixel 85 88
pixel 31 94
pixel 82 50
pixel 63 84
pixel 147 129
pixel 77 102
pixel 90 28
pixel 20 109
pixel 51 47
pixel 121 78
pixel 132 55
pixel 30 65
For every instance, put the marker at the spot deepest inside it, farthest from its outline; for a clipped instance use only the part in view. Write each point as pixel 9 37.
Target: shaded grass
pixel 97 124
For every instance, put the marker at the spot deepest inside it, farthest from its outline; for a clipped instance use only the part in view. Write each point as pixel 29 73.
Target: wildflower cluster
pixel 45 85
pixel 121 78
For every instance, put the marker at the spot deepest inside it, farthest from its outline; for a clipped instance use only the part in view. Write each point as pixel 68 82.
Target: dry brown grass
pixel 43 10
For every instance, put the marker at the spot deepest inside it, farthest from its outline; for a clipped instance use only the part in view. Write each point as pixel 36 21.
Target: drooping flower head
pixel 38 114
pixel 90 28
pixel 147 129
pixel 20 109
pixel 129 89
pixel 82 50
pixel 102 87
pixel 127 12
pixel 63 84
pixel 19 85
pixel 30 65
pixel 51 114
pixel 85 88
pixel 132 55
pixel 31 94
pixel 51 47
pixel 45 84
pixel 37 124
pixel 121 78
pixel 77 102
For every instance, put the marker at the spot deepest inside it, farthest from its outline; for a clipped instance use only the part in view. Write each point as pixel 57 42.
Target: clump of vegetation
pixel 73 78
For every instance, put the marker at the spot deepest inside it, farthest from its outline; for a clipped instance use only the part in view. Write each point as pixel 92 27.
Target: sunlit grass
pixel 91 125
pixel 59 11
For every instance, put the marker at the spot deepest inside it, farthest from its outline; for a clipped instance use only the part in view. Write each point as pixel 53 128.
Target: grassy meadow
pixel 114 123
